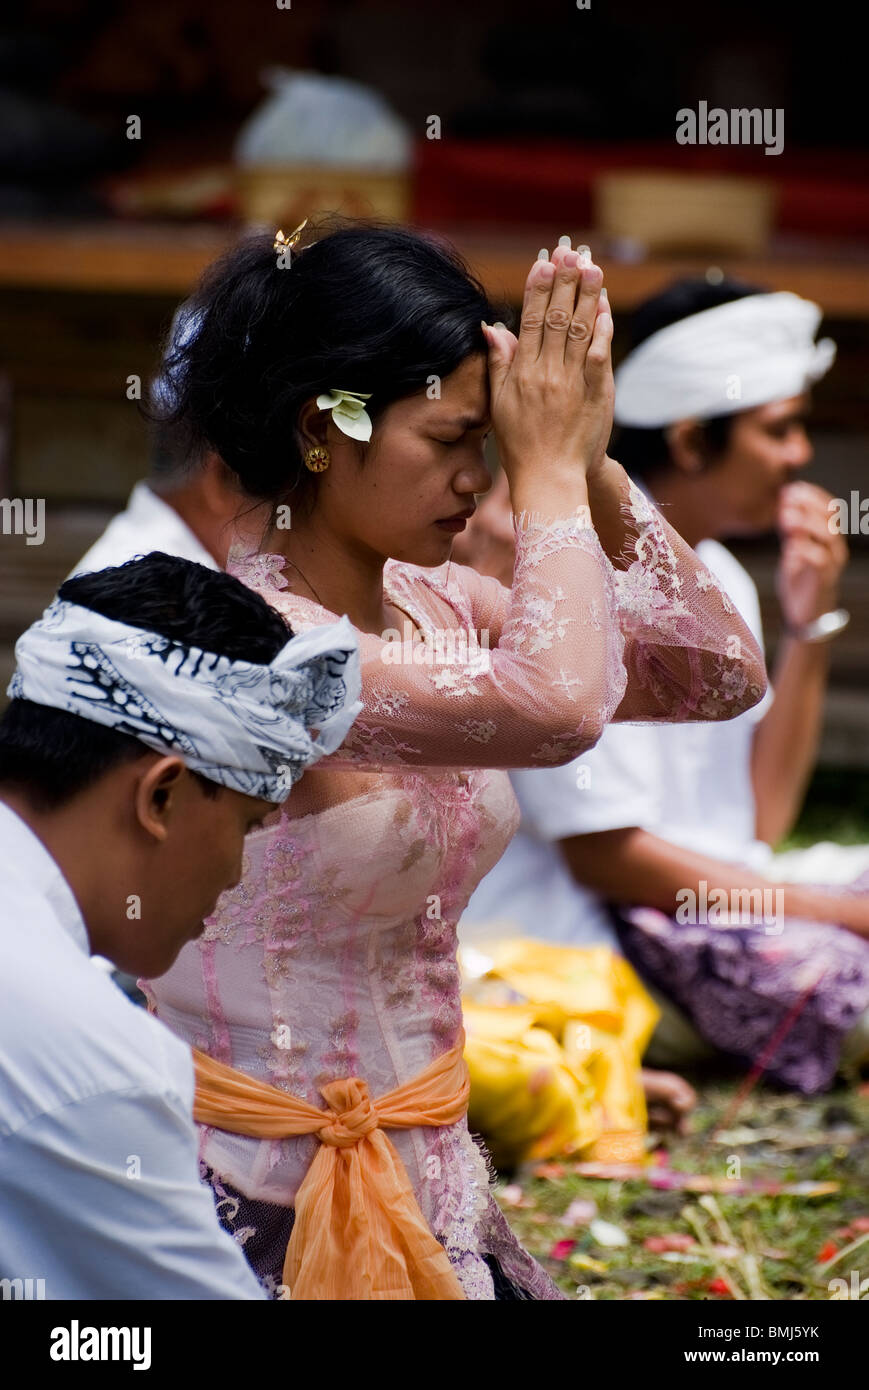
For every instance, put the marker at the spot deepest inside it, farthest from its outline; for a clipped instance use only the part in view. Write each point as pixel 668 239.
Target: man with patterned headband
pixel 159 711
pixel 661 838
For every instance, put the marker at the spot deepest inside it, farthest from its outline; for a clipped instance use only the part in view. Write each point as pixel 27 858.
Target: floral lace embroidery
pixel 708 580
pixel 340 1056
pixel 458 678
pixel 457 1182
pixel 540 626
pixel 480 730
pixel 258 571
pixel 377 744
pixel 729 686
pixel 234 905
pixel 538 536
pixel 443 581
pixel 283 1057
pixel 388 702
pixel 690 659
pixel 558 748
pixel 567 683
pixel 648 588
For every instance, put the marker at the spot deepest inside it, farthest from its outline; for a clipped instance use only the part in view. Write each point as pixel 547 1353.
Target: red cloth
pixel 821 192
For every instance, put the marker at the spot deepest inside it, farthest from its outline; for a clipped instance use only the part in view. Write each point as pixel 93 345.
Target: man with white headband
pixel 640 842
pixel 159 712
pixel 731 357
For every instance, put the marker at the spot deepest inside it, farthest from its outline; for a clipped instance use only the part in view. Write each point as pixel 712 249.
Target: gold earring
pixel 317 459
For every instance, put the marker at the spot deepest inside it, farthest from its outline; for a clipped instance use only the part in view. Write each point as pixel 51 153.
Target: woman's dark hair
pixel 366 307
pixel 51 755
pixel 643 452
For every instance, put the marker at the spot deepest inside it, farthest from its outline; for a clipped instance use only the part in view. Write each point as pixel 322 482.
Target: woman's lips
pixel 453 524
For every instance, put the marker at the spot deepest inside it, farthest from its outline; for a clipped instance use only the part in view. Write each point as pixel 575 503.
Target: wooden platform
pixel 165 259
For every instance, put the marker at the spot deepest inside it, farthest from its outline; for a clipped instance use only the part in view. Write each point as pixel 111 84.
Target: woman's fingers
pixel 502 346
pixel 587 306
pixel 564 321
pixel 562 306
pixel 500 342
pixel 538 288
pixel 582 326
pixel 598 364
pixel 508 339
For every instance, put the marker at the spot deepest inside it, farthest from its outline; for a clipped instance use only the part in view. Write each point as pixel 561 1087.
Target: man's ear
pixel 685 442
pixel 157 795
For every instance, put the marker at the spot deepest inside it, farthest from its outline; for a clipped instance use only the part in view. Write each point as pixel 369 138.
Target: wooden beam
pixel 164 259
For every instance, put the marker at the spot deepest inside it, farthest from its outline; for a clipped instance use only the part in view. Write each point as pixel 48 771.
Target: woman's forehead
pixel 464 394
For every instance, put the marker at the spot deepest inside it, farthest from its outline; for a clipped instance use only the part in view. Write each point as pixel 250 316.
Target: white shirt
pixel 99 1180
pixel 686 783
pixel 147 524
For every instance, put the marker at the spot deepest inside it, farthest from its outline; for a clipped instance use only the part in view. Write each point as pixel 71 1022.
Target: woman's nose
pixel 474 478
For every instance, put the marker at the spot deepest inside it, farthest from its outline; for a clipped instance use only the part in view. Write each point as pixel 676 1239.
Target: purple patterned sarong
pixel 739 985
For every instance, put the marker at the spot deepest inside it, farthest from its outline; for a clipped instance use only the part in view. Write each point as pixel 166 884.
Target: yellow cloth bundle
pixel 557 1071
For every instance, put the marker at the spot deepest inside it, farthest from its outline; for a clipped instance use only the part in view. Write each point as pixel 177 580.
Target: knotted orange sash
pixel 358 1232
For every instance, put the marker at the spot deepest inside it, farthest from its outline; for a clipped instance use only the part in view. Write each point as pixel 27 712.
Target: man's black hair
pixel 51 755
pixel 643 452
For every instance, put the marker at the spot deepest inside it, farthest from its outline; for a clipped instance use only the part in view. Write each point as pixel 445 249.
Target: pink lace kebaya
pixel 335 955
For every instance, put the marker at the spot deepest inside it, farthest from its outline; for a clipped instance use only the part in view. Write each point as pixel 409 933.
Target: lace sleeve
pixel 535 688
pixel 688 653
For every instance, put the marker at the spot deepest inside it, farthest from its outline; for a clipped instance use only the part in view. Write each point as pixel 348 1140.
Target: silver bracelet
pixel 821 629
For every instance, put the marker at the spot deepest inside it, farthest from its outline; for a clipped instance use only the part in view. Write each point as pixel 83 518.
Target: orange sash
pixel 358 1232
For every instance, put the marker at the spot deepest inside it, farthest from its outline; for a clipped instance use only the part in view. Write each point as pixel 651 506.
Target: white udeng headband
pixel 738 355
pixel 238 723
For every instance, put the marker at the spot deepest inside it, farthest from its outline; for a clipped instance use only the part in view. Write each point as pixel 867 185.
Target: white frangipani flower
pixel 348 412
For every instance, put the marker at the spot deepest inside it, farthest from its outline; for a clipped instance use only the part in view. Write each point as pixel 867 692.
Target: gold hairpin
pixel 282 243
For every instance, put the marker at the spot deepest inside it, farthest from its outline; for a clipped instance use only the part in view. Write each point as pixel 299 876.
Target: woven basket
pixel 286 193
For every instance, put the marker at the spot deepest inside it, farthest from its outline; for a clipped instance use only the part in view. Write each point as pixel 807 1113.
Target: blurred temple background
pixel 137 140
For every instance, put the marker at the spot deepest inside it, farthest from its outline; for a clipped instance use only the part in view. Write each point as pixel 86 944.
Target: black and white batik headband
pixel 238 723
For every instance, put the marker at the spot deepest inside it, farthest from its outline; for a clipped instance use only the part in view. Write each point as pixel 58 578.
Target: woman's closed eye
pixel 457 438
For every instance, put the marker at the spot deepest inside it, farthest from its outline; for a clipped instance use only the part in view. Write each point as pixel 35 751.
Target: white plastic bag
pixel 312 119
